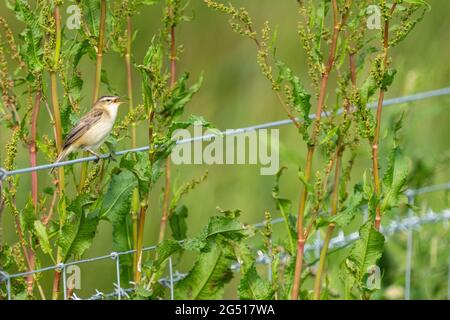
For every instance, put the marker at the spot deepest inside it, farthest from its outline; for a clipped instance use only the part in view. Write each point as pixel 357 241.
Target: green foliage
pixel 62 226
pixel 253 287
pixel 173 107
pixel 219 245
pixel 179 214
pixel 350 208
pixel 116 203
pixel 364 255
pixel 285 207
pixel 207 278
pixel 116 209
pixel 177 222
pixel 43 237
pixel 79 229
pixel 394 179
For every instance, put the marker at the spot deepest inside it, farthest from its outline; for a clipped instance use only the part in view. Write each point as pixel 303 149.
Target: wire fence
pixel 409 224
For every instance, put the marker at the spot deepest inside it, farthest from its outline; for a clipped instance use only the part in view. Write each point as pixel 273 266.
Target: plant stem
pixel 33 150
pixel 100 45
pixel 331 226
pixel 335 202
pixel 48 217
pixel 130 79
pixel 58 138
pixel 98 74
pixel 375 140
pixel 135 199
pixel 166 199
pixel 34 180
pixel 140 242
pixel 310 155
pixel 143 206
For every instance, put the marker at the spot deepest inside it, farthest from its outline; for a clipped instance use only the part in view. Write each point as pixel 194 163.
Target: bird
pixel 92 129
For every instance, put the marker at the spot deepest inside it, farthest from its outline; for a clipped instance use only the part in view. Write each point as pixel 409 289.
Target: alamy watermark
pixel 74 19
pixel 373 17
pixel 373 281
pixel 74 277
pixel 252 147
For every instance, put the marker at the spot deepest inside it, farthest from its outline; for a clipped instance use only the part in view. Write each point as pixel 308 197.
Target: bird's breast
pixel 97 134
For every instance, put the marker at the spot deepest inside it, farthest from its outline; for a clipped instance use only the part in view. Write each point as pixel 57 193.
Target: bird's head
pixel 108 102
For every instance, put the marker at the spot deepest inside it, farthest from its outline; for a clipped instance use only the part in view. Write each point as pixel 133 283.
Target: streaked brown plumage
pixel 93 128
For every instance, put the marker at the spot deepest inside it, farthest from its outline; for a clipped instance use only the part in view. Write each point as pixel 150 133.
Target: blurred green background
pixel 235 94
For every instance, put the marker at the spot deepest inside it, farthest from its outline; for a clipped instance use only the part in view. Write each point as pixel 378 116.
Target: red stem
pixel 173 71
pixel 33 149
pixel 310 155
pixel 375 157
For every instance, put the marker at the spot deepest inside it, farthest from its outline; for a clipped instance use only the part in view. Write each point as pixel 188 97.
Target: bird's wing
pixel 85 123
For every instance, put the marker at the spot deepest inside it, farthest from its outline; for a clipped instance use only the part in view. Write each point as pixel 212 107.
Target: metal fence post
pixel 5 276
pixel 172 295
pixel 448 279
pixel 62 266
pixel 115 256
pixel 409 251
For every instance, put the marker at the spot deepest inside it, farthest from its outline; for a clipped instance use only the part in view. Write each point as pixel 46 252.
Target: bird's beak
pixel 120 101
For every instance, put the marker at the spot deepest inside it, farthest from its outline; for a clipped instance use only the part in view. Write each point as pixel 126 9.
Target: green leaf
pixel 27 216
pixel 42 235
pixel 117 200
pixel 179 97
pixel 226 226
pixel 177 222
pixel 388 78
pixel 253 287
pixel 365 253
pixel 210 273
pixel 300 97
pixel 368 249
pixel 418 2
pixel 77 234
pixel 116 208
pixel 285 207
pixel 394 179
pixel 91 12
pixel 178 215
pixel 350 208
pixel 367 90
pixel 32 36
pixel 164 250
pixel 150 2
pixel 123 241
pixel 139 165
pixel 191 121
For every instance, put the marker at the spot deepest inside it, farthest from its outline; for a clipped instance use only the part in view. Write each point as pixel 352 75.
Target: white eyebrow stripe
pixel 105 98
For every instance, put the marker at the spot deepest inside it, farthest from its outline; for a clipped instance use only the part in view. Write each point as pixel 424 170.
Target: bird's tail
pixel 64 153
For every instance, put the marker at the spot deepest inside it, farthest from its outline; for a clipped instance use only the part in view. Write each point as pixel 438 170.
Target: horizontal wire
pixel 388 102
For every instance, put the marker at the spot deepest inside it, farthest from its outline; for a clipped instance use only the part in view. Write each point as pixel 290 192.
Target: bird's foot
pixel 112 157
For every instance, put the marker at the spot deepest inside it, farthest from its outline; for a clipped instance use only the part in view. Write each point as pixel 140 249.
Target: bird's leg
pixel 112 150
pixel 93 153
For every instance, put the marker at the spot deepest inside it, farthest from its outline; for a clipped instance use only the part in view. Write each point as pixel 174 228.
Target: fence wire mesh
pixel 408 225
